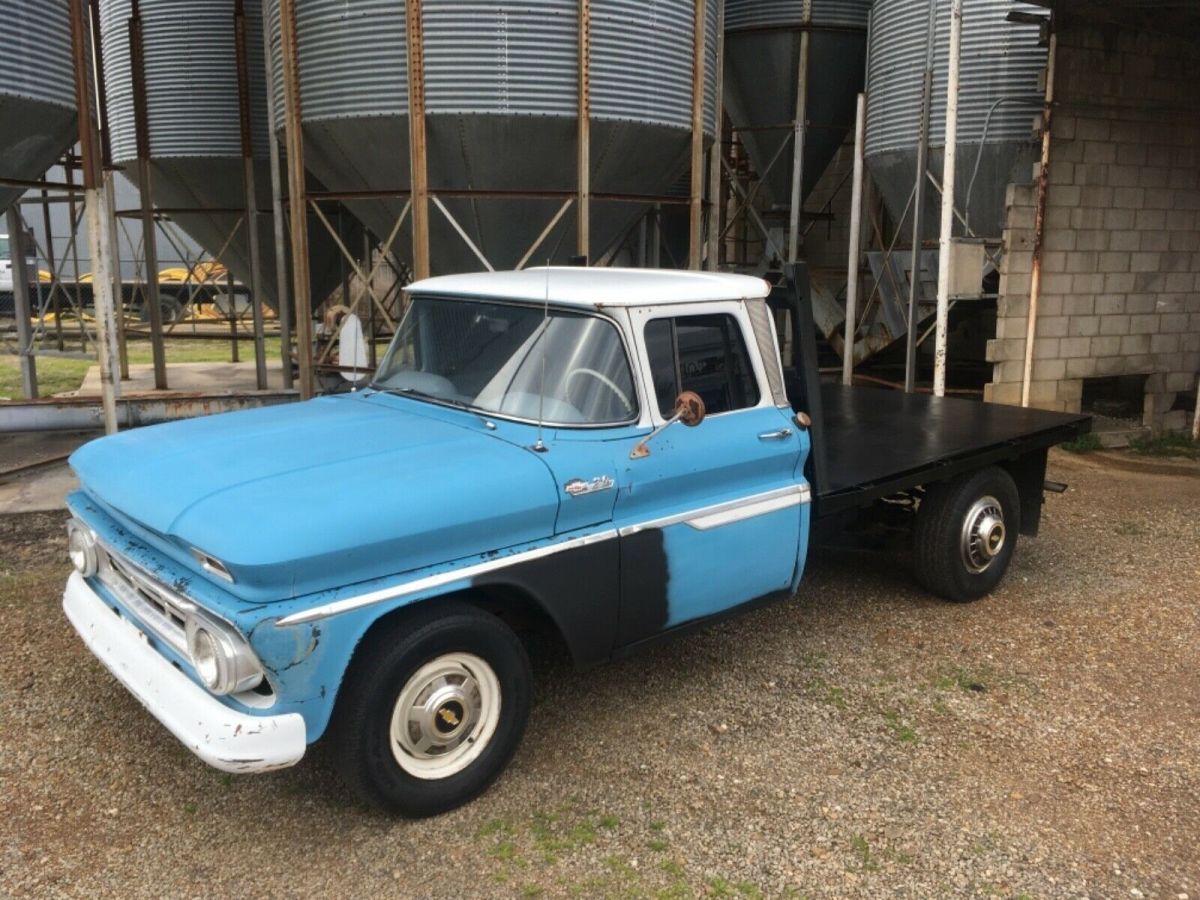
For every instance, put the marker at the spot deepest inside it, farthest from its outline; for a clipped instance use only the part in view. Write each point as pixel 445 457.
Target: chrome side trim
pixel 702 519
pixel 442 578
pixel 718 514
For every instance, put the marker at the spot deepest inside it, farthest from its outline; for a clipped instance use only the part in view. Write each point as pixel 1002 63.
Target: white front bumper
pixel 222 737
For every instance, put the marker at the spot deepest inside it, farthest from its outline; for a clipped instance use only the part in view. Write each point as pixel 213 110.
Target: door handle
pixel 781 435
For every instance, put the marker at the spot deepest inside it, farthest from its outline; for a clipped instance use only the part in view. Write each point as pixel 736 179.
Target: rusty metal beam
pixel 583 210
pixel 84 413
pixel 715 204
pixel 279 227
pixel 302 290
pixel 250 219
pixel 141 116
pixel 695 195
pixel 418 162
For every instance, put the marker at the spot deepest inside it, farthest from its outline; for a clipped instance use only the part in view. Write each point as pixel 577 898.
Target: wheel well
pixel 517 608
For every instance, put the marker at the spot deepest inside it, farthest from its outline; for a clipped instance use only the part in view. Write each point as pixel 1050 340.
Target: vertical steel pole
pixel 419 169
pixel 914 281
pixel 715 203
pixel 583 202
pixel 1039 224
pixel 56 305
pixel 656 237
pixel 799 130
pixel 948 168
pixel 695 207
pixel 137 67
pixel 110 192
pixel 279 226
pixel 21 310
pixel 851 328
pixel 297 195
pixel 250 216
pixel 97 219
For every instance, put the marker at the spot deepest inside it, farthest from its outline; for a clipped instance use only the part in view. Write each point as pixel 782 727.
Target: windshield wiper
pixel 423 395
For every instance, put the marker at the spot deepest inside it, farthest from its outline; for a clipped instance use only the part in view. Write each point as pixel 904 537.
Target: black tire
pixel 383 666
pixel 943 565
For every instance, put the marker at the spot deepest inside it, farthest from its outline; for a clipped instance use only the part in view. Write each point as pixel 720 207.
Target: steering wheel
pixel 603 379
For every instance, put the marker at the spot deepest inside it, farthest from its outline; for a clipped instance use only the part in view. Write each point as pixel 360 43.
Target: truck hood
pixel 304 497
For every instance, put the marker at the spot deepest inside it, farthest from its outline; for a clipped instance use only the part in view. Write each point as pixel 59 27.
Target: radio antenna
pixel 540 446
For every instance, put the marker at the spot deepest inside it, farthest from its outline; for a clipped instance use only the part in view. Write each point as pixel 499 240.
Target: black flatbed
pixel 878 442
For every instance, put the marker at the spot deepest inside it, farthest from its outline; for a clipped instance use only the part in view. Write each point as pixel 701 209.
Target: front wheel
pixel 965 534
pixel 432 710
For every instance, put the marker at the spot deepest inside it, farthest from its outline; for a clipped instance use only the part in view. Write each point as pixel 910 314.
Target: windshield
pixel 490 357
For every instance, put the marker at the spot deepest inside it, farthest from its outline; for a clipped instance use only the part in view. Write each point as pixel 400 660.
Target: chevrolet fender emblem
pixel 577 487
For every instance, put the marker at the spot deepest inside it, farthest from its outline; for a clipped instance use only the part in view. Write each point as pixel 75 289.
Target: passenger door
pixel 712 518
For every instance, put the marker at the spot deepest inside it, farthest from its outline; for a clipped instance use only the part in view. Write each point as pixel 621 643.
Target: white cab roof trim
pixel 599 286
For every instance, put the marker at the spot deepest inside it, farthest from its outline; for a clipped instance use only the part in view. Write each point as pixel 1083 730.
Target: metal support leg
pixel 21 308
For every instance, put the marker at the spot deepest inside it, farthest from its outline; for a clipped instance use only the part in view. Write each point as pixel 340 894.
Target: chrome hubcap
pixel 983 534
pixel 445 715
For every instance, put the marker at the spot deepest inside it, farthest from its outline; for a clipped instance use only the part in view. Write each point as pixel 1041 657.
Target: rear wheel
pixel 432 710
pixel 965 534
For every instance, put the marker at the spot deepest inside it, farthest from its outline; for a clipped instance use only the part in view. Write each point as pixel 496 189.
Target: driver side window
pixel 705 354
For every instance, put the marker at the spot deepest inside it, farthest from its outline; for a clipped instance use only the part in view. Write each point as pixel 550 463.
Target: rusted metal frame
pixel 99 220
pixel 795 211
pixel 751 212
pixel 26 185
pixel 887 255
pixel 461 232
pixel 418 148
pixel 21 308
pixel 209 280
pixel 77 214
pixel 248 186
pixel 363 277
pixel 385 249
pixel 137 69
pixel 826 212
pixel 789 126
pixel 1039 223
pixel 695 194
pixel 282 301
pixel 81 413
pixel 583 138
pixel 554 220
pixel 715 205
pixel 752 194
pixel 57 285
pixel 297 198
pixel 234 356
pixel 48 255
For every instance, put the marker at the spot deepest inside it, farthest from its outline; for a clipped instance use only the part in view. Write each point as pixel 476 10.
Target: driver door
pixel 712 518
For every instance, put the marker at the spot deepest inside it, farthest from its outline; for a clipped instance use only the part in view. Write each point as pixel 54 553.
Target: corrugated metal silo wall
pixel 762 56
pixel 501 100
pixel 195 135
pixel 1000 60
pixel 37 90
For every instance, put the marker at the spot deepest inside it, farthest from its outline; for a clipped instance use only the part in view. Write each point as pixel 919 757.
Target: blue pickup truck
pixel 610 456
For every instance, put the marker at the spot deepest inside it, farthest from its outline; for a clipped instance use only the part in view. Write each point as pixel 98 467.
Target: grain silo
pixel 37 90
pixel 999 100
pixel 502 100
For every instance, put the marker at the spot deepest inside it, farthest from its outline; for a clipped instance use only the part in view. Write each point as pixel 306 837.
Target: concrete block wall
pixel 1121 254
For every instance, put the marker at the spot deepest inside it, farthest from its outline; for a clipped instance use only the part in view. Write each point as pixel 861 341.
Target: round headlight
pixel 81 547
pixel 206 658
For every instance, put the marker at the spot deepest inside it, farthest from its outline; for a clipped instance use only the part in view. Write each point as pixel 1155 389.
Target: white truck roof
pixel 599 286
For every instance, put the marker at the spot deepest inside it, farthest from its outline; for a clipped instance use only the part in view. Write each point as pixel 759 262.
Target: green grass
pixel 1168 444
pixel 56 374
pixel 1085 443
pixel 902 731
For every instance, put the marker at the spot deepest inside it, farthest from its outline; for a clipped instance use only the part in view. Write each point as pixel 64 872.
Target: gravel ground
pixel 861 740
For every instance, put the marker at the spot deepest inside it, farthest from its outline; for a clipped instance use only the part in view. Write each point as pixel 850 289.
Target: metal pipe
pixel 250 218
pixel 137 70
pixel 584 136
pixel 1039 224
pixel 110 206
pixel 947 225
pixel 695 195
pixel 914 279
pixel 277 221
pixel 20 280
pixel 98 222
pixel 798 133
pixel 850 330
pixel 714 154
pixel 297 199
pixel 82 413
pixel 418 162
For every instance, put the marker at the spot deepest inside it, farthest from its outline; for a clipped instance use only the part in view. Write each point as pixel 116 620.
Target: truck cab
pixel 608 455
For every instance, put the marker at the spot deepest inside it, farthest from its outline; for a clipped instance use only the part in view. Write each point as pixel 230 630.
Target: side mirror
pixel 689 409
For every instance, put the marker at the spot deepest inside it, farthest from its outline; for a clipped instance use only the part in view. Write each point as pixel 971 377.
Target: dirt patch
pixel 862 740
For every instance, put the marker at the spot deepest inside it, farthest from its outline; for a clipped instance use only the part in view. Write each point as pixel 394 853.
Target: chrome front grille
pixel 161 610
